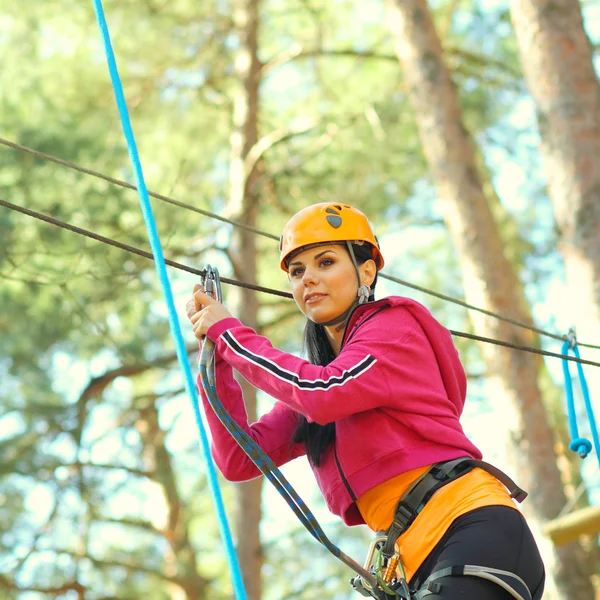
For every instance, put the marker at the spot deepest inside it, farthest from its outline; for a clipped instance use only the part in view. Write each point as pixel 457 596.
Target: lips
pixel 312 298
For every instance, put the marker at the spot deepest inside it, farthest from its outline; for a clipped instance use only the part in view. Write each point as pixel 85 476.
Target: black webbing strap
pixel 516 492
pixel 418 494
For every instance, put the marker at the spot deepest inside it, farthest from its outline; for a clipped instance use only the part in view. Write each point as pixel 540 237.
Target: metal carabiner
pixel 571 337
pixel 393 581
pixel 212 286
pixel 212 282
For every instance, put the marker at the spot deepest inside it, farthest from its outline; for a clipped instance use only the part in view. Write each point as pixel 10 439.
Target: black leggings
pixel 493 536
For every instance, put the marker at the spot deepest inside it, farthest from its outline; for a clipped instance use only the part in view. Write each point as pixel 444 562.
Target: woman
pixel 375 406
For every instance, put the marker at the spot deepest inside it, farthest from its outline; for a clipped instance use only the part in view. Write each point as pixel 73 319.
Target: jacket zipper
pixel 337 460
pixel 339 466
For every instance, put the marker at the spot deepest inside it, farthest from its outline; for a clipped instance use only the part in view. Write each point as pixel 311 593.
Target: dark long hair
pixel 315 437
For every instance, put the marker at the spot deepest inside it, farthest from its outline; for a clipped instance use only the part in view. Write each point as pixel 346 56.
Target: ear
pixel 368 270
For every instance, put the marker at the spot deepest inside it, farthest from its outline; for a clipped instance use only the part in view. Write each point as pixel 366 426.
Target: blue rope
pixel 155 245
pixel 581 445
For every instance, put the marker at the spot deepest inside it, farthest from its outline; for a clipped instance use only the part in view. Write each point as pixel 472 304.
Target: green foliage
pixel 101 476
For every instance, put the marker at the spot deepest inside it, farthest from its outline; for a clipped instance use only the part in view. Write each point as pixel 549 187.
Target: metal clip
pixel 392 575
pixel 571 337
pixel 212 283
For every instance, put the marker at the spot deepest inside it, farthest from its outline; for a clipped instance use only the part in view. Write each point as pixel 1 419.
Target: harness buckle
pixel 434 587
pixel 403 516
pixel 438 474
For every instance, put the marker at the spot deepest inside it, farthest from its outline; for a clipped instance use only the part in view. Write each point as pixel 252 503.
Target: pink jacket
pixel 395 391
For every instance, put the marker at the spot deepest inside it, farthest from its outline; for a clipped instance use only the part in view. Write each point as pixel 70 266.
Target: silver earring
pixel 363 294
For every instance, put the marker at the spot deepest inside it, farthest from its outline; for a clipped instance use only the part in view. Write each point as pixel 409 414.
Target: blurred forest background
pixel 469 133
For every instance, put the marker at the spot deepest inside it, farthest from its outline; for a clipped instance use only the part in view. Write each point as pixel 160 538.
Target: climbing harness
pixel 384 561
pixel 510 582
pixel 581 445
pixel 414 499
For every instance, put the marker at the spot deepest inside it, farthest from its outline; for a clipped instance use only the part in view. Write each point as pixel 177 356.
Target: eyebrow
pixel 316 257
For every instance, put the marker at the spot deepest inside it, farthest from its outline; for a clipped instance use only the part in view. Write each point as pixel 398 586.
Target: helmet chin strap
pixel 362 296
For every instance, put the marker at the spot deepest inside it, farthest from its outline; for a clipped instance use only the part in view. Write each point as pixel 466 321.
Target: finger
pixel 204 299
pixel 191 309
pixel 198 329
pixel 196 316
pixel 197 288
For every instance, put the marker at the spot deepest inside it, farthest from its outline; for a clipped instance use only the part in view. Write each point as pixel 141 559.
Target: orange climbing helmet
pixel 327 222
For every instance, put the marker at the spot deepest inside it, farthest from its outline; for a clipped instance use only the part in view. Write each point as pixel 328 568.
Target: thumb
pixel 196 303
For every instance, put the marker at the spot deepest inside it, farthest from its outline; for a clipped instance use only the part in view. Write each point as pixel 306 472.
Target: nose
pixel 309 276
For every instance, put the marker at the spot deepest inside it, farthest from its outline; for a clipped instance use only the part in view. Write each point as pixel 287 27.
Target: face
pixel 324 282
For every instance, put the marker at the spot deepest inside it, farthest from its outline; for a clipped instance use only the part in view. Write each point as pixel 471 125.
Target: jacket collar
pixel 360 313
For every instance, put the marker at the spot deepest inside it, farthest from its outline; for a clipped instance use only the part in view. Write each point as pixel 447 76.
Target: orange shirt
pixel 476 489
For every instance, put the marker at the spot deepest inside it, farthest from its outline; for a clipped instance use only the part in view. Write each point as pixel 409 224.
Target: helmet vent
pixel 335 221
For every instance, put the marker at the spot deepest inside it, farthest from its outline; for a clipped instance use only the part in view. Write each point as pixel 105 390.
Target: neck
pixel 335 333
pixel 335 330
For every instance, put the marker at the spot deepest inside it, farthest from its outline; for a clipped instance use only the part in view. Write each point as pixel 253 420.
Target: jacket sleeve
pixel 354 382
pixel 272 432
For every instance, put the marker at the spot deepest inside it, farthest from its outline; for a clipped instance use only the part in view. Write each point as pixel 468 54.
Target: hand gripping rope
pixel 236 575
pixel 581 445
pixel 262 461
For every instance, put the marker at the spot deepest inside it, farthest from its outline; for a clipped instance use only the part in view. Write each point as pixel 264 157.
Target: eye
pixel 296 272
pixel 326 262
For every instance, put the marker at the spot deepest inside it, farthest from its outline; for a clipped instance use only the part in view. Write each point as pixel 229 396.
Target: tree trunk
pixel 488 277
pixel 243 207
pixel 557 59
pixel 176 530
